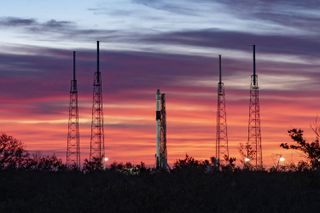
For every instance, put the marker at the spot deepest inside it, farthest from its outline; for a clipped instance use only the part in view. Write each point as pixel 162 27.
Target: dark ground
pixel 36 191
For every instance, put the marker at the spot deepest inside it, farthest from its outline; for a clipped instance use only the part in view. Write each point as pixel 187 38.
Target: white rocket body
pixel 158 125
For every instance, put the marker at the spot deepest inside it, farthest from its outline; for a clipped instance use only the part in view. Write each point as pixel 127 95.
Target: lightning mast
pixel 97 130
pixel 254 129
pixel 222 149
pixel 161 126
pixel 73 138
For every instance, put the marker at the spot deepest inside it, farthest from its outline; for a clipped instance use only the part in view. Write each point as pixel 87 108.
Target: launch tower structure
pixel 254 129
pixel 161 126
pixel 97 149
pixel 222 149
pixel 73 138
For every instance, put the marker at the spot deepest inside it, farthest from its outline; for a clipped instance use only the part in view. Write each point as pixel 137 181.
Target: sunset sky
pixel 171 45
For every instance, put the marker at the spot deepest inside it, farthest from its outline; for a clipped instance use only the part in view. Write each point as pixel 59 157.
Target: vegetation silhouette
pixel 247 152
pixel 311 150
pixel 94 165
pixel 12 153
pixel 14 156
pixel 35 183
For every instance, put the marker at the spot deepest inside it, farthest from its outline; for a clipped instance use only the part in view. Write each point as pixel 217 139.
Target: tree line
pixel 36 183
pixel 14 156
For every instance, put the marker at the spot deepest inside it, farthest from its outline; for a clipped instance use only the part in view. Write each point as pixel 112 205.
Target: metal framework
pixel 222 149
pixel 73 138
pixel 97 149
pixel 254 129
pixel 161 126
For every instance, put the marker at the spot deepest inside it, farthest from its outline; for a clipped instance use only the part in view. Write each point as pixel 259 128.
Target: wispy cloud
pixel 16 22
pixel 34 25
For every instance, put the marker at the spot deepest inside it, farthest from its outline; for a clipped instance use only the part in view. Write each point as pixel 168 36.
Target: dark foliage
pixel 43 184
pixel 189 164
pixel 14 156
pixel 112 191
pixel 12 153
pixel 311 150
pixel 93 165
pixel 230 164
pixel 44 163
pixel 247 151
pixel 130 169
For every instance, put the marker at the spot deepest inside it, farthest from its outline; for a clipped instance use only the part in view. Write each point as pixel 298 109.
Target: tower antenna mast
pixel 73 138
pixel 254 147
pixel 222 148
pixel 97 149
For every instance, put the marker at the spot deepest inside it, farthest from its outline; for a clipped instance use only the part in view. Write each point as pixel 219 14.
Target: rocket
pixel 158 126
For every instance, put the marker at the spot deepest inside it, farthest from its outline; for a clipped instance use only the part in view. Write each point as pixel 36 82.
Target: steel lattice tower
pixel 254 130
pixel 97 130
pixel 73 138
pixel 222 149
pixel 161 126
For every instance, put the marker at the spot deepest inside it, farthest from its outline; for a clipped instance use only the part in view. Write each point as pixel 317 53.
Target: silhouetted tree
pixel 215 164
pixel 230 163
pixel 247 152
pixel 311 150
pixel 189 164
pixel 73 167
pixel 142 169
pixel 302 166
pixel 315 126
pixel 116 166
pixel 129 168
pixel 12 153
pixel 94 165
pixel 44 163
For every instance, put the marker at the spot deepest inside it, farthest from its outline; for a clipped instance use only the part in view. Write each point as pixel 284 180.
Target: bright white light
pixel 105 159
pixel 282 159
pixel 246 160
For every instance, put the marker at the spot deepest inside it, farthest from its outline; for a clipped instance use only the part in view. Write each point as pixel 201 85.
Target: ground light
pixel 282 159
